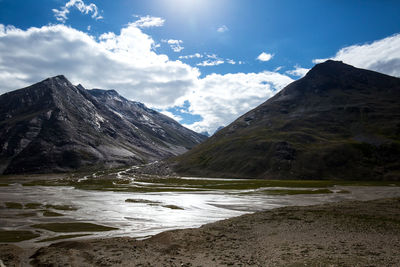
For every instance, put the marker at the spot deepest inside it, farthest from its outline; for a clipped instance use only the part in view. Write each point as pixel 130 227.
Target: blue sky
pixel 202 62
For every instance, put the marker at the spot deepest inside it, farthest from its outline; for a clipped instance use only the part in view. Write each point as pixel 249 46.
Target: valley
pixel 117 204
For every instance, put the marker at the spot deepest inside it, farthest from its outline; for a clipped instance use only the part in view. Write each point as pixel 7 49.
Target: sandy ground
pixel 339 234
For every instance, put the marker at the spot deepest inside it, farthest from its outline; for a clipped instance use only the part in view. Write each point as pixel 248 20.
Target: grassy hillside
pixel 338 122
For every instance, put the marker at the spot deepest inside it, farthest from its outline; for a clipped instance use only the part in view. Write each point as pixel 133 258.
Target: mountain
pixel 205 133
pixel 337 122
pixel 54 126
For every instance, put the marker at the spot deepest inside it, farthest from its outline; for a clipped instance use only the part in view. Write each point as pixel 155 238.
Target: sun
pixel 186 6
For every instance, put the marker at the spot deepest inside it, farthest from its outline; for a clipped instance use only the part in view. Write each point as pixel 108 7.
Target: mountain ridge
pixel 337 122
pixel 54 126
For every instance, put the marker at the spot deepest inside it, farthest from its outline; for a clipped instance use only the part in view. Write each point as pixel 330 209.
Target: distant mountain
pixel 337 122
pixel 208 135
pixel 55 126
pixel 205 133
pixel 219 128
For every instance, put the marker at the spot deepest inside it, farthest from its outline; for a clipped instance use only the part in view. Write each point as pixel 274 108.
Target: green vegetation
pixel 242 184
pixel 326 126
pixel 296 192
pixel 73 227
pixel 129 200
pixel 48 213
pixel 27 214
pixel 13 205
pixel 173 207
pixel 176 184
pixel 32 205
pixel 60 207
pixel 16 236
pixel 60 237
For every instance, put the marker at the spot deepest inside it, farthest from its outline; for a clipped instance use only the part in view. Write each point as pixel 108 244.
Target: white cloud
pixel 220 99
pixel 222 28
pixel 265 56
pixel 171 115
pixel 213 60
pixel 196 55
pixel 149 21
pixel 174 44
pixel 127 62
pixel 207 63
pixel 213 56
pixel 298 71
pixel 62 13
pixel 381 55
pixel 124 61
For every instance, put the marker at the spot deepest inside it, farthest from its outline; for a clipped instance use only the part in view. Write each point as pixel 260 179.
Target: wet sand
pixel 350 233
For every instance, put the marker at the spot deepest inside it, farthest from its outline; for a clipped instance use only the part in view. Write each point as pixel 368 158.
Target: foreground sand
pixel 339 234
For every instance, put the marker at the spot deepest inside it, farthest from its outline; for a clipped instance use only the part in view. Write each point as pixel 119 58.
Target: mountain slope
pixel 337 122
pixel 56 126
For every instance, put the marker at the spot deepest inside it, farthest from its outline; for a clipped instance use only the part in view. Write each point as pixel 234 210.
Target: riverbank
pixel 350 233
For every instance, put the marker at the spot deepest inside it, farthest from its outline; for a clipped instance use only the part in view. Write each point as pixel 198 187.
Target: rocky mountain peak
pixel 59 80
pixel 330 67
pixel 102 92
pixel 54 126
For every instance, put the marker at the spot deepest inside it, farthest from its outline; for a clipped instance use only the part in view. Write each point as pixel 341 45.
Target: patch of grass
pixel 73 227
pixel 32 205
pixel 13 205
pixel 16 236
pixel 176 184
pixel 122 181
pixel 48 213
pixel 245 184
pixel 297 192
pixel 60 207
pixel 26 214
pixel 61 237
pixel 343 192
pixel 173 207
pixel 129 200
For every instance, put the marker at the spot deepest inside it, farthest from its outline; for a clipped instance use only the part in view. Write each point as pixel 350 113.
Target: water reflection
pixel 154 212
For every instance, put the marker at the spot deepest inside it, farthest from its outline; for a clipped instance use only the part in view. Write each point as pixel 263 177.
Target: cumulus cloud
pixel 127 62
pixel 265 56
pixel 171 115
pixel 298 71
pixel 381 55
pixel 222 28
pixel 174 44
pixel 124 61
pixel 62 13
pixel 220 99
pixel 149 21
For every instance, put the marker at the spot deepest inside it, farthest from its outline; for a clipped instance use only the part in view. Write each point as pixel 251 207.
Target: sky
pixel 202 62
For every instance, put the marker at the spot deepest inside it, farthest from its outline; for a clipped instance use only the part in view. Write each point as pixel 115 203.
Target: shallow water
pixel 143 219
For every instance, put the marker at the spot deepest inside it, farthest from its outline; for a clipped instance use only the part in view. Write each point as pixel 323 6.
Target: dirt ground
pixel 338 234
